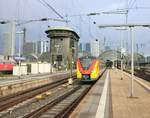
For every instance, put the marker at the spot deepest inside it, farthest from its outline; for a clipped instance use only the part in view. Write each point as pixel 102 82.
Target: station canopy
pixel 113 55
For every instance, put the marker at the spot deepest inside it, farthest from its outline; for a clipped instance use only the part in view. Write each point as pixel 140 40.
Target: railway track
pixel 62 105
pixel 142 73
pixel 30 107
pixel 57 102
pixel 11 100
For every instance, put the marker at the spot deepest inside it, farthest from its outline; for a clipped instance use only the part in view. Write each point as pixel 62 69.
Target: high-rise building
pixel 95 48
pixel 80 47
pixel 42 46
pixel 88 47
pixel 84 49
pixel 1 45
pixel 9 44
pixel 148 59
pixel 29 48
pixel 1 58
pixel 107 48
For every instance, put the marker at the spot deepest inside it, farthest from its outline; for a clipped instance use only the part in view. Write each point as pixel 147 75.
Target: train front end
pixel 88 68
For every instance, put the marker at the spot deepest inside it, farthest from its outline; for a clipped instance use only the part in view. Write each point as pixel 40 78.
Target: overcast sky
pixel 76 11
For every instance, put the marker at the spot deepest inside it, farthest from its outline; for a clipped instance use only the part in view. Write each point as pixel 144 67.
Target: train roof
pixel 88 57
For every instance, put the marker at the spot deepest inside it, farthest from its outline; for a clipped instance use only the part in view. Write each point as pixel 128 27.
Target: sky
pixel 76 12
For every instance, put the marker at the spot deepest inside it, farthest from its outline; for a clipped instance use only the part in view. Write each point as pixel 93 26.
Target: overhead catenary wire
pixel 46 4
pixel 131 4
pixel 42 19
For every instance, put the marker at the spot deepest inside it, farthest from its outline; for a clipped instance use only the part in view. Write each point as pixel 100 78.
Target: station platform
pixel 10 86
pixel 115 101
pixel 123 105
pixel 16 79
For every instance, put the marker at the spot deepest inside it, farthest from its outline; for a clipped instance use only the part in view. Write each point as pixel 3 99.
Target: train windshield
pixel 86 62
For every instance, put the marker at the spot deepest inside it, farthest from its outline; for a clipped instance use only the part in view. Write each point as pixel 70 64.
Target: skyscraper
pixel 29 48
pixel 88 47
pixel 80 47
pixel 8 44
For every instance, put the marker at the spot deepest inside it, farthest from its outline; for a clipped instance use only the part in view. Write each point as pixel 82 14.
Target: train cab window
pixel 86 62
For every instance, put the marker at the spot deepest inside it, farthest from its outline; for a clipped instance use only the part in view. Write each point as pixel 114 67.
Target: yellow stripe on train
pixel 79 75
pixel 95 72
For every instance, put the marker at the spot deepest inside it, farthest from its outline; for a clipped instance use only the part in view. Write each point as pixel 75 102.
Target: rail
pixel 14 99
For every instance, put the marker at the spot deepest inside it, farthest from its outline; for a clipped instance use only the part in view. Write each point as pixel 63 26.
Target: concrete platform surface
pixel 6 81
pixel 118 102
pixel 11 87
pixel 122 105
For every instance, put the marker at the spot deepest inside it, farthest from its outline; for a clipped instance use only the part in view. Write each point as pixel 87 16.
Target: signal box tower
pixel 63 46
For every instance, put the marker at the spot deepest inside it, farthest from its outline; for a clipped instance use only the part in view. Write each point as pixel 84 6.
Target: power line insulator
pixel 3 22
pixel 44 19
pixel 94 22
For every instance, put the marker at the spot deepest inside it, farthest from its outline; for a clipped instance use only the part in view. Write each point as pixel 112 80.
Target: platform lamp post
pixel 70 80
pixel 21 32
pixel 121 47
pixel 130 26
